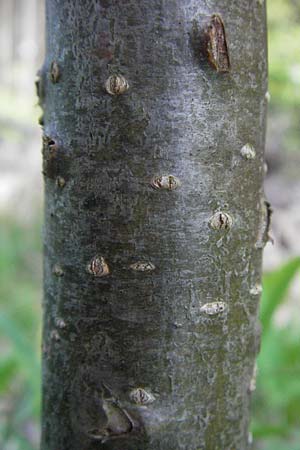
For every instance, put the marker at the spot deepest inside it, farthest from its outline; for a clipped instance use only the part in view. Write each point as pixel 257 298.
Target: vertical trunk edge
pixel 155 221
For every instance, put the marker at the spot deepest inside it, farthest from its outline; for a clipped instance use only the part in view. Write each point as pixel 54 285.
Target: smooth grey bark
pixel 151 292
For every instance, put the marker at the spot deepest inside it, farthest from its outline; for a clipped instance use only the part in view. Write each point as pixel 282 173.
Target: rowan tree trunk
pixel 154 123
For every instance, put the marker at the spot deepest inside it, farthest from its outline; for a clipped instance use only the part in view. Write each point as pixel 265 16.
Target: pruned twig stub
pixel 216 44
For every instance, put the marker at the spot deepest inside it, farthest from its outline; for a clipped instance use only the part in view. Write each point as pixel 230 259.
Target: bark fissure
pixel 153 211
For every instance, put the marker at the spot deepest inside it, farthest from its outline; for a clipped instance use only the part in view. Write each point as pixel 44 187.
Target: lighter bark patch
pixel 221 221
pixel 213 308
pixel 55 335
pixel 116 85
pixel 142 266
pixel 141 397
pixel 252 385
pixel 57 270
pixel 165 182
pixel 54 72
pixel 60 182
pixel 98 267
pixel 250 438
pixel 248 152
pixel 268 96
pixel 60 323
pixel 256 289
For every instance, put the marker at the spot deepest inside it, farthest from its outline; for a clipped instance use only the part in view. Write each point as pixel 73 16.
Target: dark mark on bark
pixel 54 72
pixel 50 157
pixel 41 120
pixel 40 86
pixel 269 216
pixel 39 90
pixel 118 423
pixel 99 413
pixel 55 161
pixel 221 221
pixel 264 228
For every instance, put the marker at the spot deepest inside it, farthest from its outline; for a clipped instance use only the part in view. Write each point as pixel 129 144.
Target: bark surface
pixel 154 224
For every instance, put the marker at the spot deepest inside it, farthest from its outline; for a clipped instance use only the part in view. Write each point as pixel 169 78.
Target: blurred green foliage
pixel 20 325
pixel 284 74
pixel 276 422
pixel 284 55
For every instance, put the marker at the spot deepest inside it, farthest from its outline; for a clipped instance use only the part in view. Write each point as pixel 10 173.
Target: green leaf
pixel 8 366
pixel 275 286
pixel 25 355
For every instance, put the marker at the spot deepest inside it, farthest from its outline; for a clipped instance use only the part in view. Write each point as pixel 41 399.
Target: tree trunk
pixel 154 123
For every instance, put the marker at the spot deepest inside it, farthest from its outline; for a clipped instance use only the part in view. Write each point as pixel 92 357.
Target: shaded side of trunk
pixel 154 223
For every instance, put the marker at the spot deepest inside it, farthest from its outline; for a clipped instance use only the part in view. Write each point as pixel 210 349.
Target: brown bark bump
pixel 98 267
pixel 165 182
pixel 54 72
pixel 141 397
pixel 221 221
pixel 216 44
pixel 116 85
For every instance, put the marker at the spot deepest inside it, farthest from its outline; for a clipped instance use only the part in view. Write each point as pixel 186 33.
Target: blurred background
pixel 276 402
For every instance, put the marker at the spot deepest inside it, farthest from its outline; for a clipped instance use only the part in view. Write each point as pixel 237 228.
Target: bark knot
pixel 98 267
pixel 141 266
pixel 256 289
pixel 141 397
pixel 264 226
pixel 213 308
pixel 117 422
pixel 116 85
pixel 60 182
pixel 165 182
pixel 216 44
pixel 54 72
pixel 221 221
pixel 248 152
pixel 58 271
